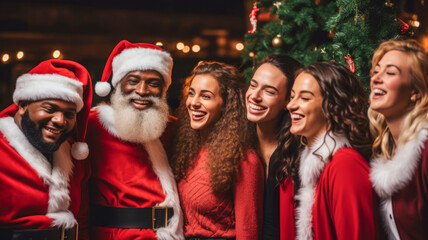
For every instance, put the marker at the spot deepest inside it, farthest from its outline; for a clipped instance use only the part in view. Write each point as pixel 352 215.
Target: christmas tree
pixel 345 31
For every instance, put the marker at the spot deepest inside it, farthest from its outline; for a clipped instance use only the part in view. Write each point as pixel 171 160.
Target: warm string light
pixel 20 55
pixel 239 46
pixel 180 46
pixel 196 48
pixel 186 49
pixel 5 58
pixel 56 54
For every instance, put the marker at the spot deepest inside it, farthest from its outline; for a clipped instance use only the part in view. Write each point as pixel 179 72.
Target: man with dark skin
pixel 133 191
pixel 40 149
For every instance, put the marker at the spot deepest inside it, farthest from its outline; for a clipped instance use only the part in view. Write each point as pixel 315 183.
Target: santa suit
pixel 402 184
pixel 287 206
pixel 335 198
pixel 126 174
pixel 33 193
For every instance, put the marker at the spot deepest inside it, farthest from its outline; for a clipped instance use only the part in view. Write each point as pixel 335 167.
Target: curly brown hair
pixel 230 136
pixel 344 103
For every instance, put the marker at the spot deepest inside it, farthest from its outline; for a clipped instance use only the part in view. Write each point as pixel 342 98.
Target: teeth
pixel 296 116
pixel 141 101
pixel 378 91
pixel 53 130
pixel 255 107
pixel 197 114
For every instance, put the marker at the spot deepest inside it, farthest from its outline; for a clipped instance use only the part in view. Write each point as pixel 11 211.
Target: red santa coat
pixel 287 206
pixel 123 175
pixel 34 194
pixel 402 184
pixel 336 198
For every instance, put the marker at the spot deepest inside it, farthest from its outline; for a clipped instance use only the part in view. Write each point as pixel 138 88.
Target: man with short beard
pixel 133 191
pixel 40 147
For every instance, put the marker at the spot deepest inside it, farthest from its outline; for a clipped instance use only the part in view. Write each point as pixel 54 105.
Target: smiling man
pixel 41 177
pixel 133 191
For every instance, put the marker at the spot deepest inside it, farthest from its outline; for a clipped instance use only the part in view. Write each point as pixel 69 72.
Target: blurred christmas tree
pixel 345 31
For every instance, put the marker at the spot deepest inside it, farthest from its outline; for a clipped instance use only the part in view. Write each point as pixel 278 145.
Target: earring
pixel 303 141
pixel 413 98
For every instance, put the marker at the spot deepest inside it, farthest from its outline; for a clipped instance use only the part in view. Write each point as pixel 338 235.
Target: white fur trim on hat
pixel 80 150
pixel 35 87
pixel 134 59
pixel 102 89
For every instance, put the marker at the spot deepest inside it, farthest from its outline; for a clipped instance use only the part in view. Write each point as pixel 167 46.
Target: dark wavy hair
pixel 230 136
pixel 344 103
pixel 285 165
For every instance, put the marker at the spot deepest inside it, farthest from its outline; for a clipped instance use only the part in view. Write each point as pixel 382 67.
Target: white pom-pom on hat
pixel 102 89
pixel 127 57
pixel 80 150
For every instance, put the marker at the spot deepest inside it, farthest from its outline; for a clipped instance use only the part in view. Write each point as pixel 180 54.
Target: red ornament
pixel 350 63
pixel 253 18
pixel 404 27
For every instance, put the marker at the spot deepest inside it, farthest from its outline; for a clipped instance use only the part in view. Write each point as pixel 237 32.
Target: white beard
pixel 139 126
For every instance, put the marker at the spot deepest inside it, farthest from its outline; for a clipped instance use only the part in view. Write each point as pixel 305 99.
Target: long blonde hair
pixel 383 145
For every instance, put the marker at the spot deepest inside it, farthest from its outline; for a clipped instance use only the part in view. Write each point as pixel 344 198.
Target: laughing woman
pixel 399 122
pixel 266 99
pixel 220 179
pixel 327 109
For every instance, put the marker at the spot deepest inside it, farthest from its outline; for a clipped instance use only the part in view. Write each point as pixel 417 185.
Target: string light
pixel 239 46
pixel 196 48
pixel 20 54
pixel 186 49
pixel 5 57
pixel 159 44
pixel 56 53
pixel 180 46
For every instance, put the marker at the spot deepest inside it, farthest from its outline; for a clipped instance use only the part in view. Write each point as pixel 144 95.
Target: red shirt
pixel 237 214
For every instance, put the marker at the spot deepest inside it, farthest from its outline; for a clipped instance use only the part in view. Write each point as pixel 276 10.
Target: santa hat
pixel 127 57
pixel 63 80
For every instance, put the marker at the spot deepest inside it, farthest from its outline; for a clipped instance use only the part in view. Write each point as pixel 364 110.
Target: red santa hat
pixel 63 80
pixel 127 57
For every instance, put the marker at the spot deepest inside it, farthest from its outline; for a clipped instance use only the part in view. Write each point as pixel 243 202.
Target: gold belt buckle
pixel 154 208
pixel 63 237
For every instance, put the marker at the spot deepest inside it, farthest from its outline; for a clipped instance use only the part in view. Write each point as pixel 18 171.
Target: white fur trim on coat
pixel 134 59
pixel 35 87
pixel 57 179
pixel 311 167
pixel 106 116
pixel 160 164
pixel 161 167
pixel 390 176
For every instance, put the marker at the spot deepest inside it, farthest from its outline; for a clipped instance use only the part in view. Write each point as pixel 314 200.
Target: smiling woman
pixel 220 177
pixel 327 107
pixel 399 123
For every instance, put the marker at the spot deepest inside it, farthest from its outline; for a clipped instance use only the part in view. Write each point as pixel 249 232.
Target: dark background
pixel 86 31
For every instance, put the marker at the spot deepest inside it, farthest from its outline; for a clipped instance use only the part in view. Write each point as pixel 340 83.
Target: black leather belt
pixel 204 238
pixel 130 217
pixel 40 234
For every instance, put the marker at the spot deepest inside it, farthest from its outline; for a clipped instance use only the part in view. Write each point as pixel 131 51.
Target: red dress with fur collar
pixel 336 200
pixel 403 182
